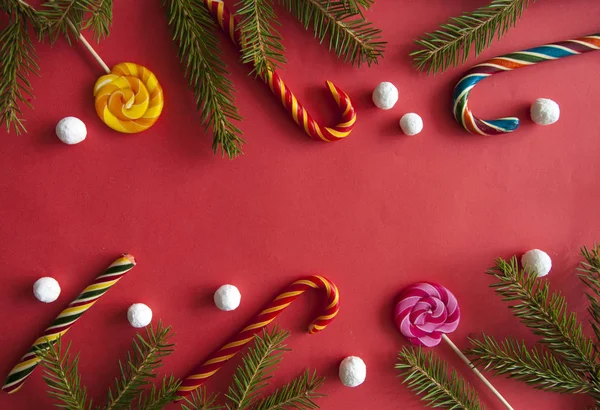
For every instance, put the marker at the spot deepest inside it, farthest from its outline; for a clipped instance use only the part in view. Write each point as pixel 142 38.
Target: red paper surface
pixel 374 212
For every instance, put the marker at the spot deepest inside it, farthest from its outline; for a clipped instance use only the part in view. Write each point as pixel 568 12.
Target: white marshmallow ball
pixel 227 297
pixel 46 289
pixel 139 315
pixel 537 261
pixel 544 111
pixel 411 123
pixel 385 95
pixel 353 371
pixel 71 130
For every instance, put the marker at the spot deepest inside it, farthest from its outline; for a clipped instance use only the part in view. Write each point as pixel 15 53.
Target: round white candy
pixel 411 123
pixel 353 371
pixel 71 130
pixel 544 111
pixel 46 289
pixel 537 261
pixel 385 95
pixel 227 297
pixel 139 315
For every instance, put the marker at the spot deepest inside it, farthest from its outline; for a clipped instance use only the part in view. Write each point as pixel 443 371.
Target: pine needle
pixel 62 377
pixel 18 63
pixel 545 314
pixel 590 276
pixel 201 400
pixel 100 20
pixel 356 6
pixel 352 37
pixel 159 398
pixel 256 368
pixel 137 373
pixel 534 366
pixel 262 43
pixel 427 376
pixel 198 50
pixel 452 43
pixel 297 394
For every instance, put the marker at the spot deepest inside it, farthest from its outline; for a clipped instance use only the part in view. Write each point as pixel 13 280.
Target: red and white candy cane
pixel 210 366
pixel 229 25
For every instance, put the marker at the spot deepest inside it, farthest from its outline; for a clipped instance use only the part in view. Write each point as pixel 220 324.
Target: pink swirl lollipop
pixel 425 312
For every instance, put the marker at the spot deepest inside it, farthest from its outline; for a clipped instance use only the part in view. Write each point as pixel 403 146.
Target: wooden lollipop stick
pixel 477 372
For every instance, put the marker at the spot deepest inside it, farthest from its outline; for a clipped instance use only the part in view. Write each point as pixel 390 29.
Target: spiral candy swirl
pixel 508 62
pixel 129 99
pixel 212 365
pixel 425 312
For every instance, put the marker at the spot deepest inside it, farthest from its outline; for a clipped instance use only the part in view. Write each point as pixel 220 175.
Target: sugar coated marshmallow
pixel 353 371
pixel 46 289
pixel 425 312
pixel 227 297
pixel 139 315
pixel 537 261
pixel 385 95
pixel 411 123
pixel 71 130
pixel 544 111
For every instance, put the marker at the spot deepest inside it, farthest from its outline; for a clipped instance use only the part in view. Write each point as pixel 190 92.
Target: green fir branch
pixel 201 400
pixel 100 19
pixel 452 43
pixel 18 63
pixel 159 398
pixel 256 368
pixel 62 377
pixel 261 45
pixel 427 376
pixel 590 276
pixel 545 314
pixel 137 373
pixel 193 31
pixel 351 36
pixel 357 6
pixel 534 366
pixel 297 394
pixel 65 17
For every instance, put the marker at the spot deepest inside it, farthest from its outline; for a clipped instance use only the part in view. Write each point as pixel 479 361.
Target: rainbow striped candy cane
pixel 508 62
pixel 63 322
pixel 210 366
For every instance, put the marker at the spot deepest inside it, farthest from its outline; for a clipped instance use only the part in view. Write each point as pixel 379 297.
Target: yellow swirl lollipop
pixel 129 99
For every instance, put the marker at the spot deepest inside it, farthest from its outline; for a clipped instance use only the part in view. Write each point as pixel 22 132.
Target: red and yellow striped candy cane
pixel 229 25
pixel 212 365
pixel 63 322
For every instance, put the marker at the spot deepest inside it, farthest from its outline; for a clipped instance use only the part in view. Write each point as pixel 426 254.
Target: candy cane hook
pixel 230 25
pixel 508 62
pixel 216 360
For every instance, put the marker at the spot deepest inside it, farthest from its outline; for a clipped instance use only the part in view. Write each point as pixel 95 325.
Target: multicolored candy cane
pixel 508 62
pixel 66 319
pixel 229 25
pixel 212 365
pixel 425 314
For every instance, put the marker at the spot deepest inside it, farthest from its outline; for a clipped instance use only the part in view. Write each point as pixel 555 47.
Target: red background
pixel 374 212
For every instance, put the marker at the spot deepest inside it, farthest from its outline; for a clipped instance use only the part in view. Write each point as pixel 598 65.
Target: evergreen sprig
pixel 590 276
pixel 452 43
pixel 18 63
pixel 100 19
pixel 262 42
pixel 199 52
pixel 297 394
pixel 65 17
pixel 201 400
pixel 428 376
pixel 357 6
pixel 137 372
pixel 545 313
pixel 351 36
pixel 256 368
pixel 61 374
pixel 534 366
pixel 159 397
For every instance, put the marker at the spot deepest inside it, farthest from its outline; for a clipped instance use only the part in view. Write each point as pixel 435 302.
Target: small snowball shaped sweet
pixel 537 261
pixel 353 371
pixel 71 130
pixel 139 315
pixel 544 111
pixel 411 123
pixel 227 297
pixel 46 289
pixel 385 95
